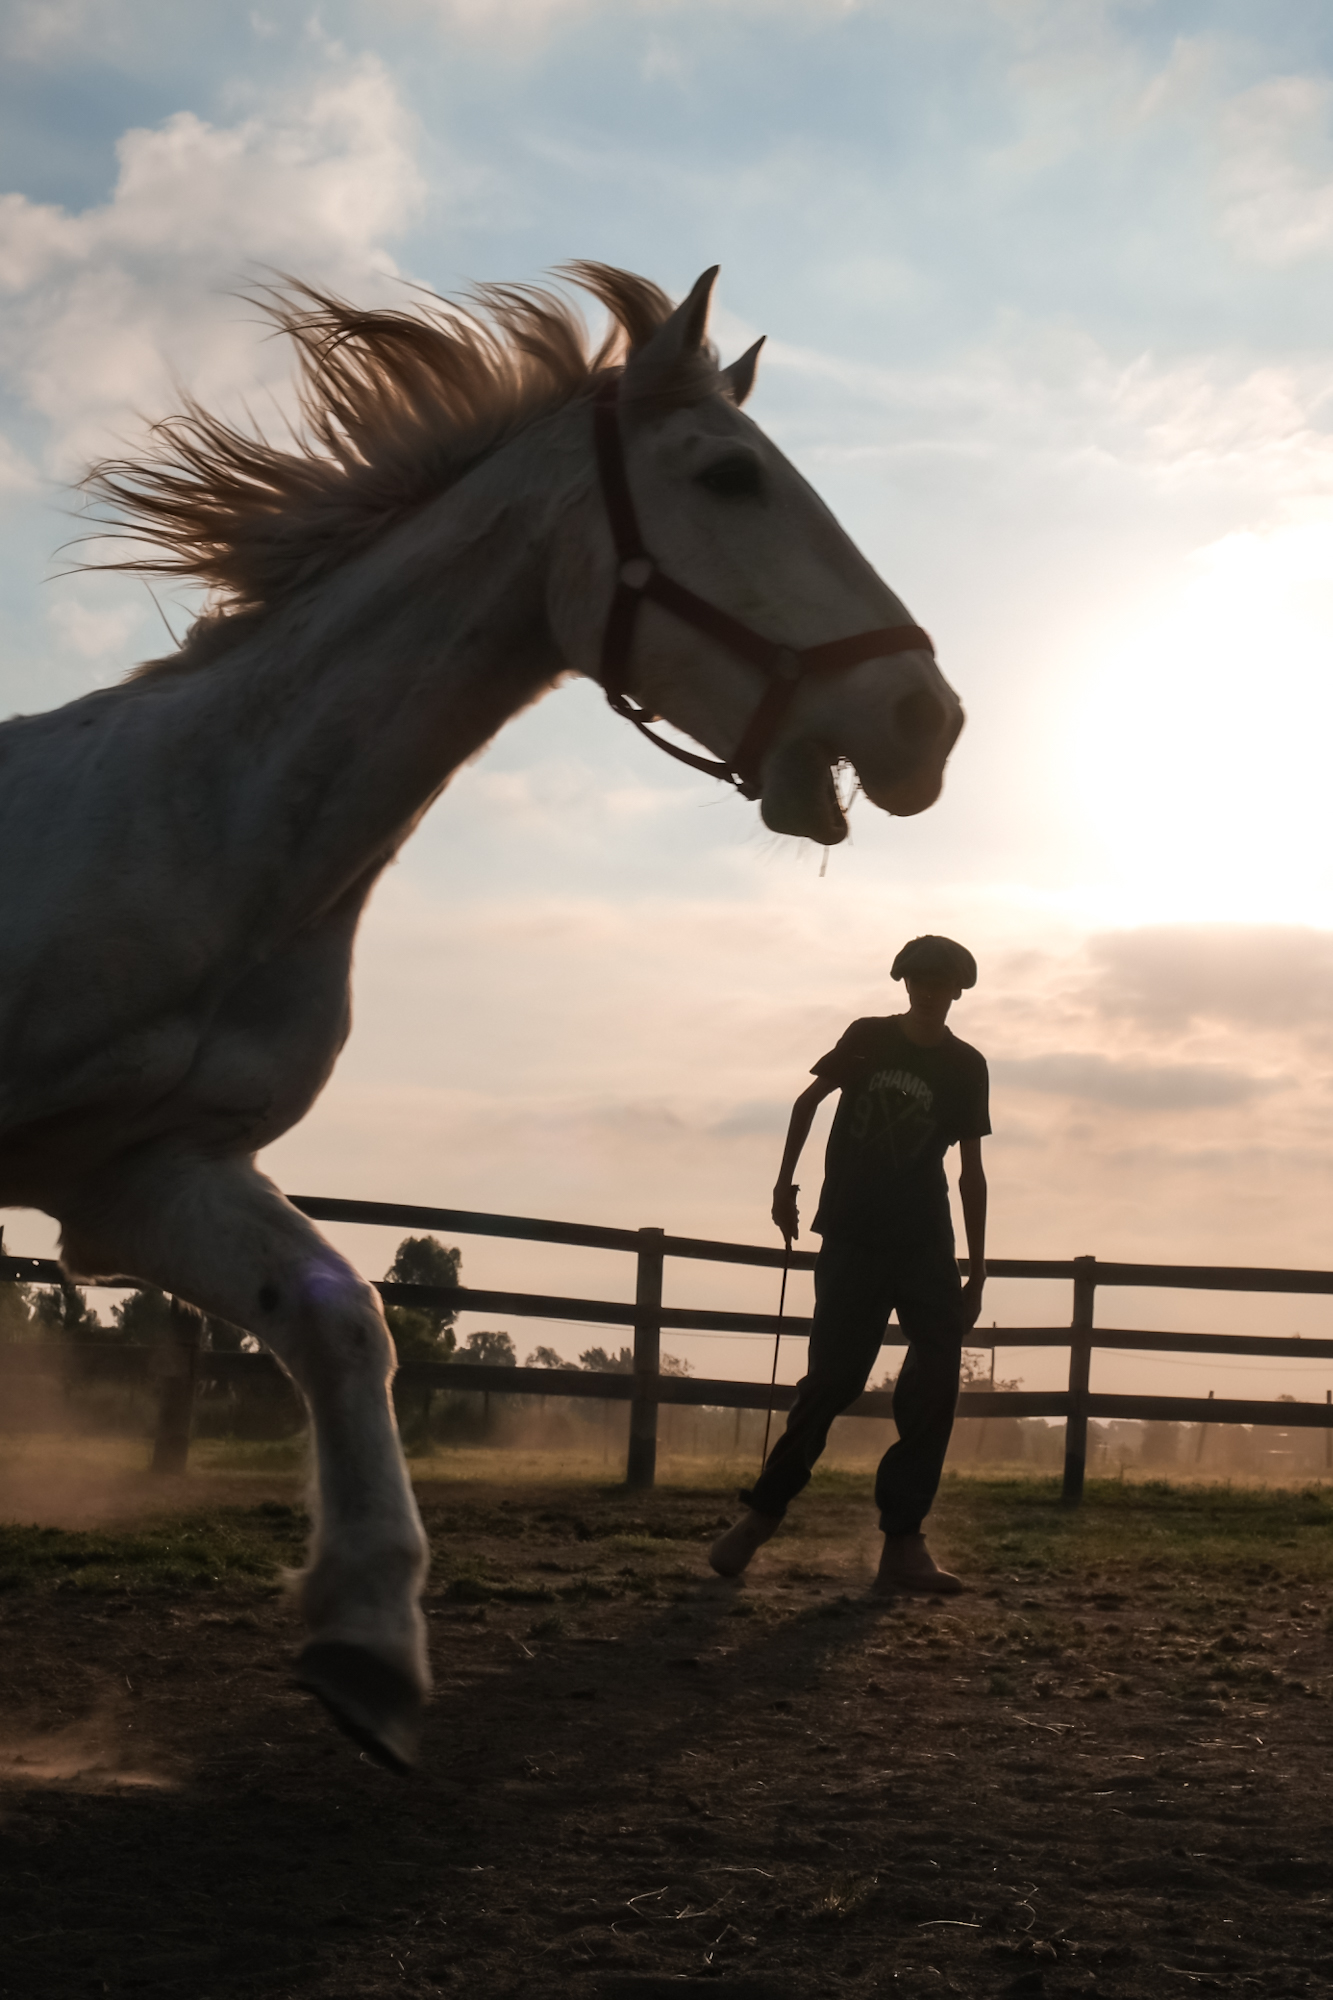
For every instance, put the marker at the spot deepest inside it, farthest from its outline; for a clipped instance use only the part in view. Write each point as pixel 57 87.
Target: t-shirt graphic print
pixel 893 1111
pixel 902 1107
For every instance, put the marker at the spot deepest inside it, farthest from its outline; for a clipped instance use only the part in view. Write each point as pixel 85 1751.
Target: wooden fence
pixel 183 1366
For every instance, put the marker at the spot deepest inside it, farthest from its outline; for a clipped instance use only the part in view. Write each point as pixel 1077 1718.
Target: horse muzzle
pixel 902 771
pixel 903 775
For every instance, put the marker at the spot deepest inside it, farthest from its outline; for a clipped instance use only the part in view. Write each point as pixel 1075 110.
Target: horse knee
pixel 322 1309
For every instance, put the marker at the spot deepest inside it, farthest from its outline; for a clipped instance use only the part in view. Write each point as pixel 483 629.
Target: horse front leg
pixel 218 1234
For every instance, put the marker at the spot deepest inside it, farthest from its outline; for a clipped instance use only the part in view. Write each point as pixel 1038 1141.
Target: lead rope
pixel 777 1343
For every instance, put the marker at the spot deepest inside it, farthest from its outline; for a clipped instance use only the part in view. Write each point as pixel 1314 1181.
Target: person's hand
pixel 972 1291
pixel 785 1212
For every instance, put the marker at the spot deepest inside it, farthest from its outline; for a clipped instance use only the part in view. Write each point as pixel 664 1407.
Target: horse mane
pixel 394 407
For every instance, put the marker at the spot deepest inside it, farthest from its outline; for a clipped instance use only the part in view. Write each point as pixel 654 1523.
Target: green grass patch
pixel 1201 1543
pixel 274 1455
pixel 225 1547
pixel 1212 1535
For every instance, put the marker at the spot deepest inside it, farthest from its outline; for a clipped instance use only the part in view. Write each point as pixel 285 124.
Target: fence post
pixel 171 1445
pixel 1203 1437
pixel 641 1466
pixel 1080 1369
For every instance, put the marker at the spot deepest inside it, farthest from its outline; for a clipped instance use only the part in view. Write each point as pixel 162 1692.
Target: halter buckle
pixel 636 574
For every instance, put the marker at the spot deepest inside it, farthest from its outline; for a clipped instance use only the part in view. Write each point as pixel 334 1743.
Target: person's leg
pixel 929 1299
pixel 853 1299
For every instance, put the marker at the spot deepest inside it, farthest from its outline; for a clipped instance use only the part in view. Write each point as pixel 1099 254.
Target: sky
pixel 1047 293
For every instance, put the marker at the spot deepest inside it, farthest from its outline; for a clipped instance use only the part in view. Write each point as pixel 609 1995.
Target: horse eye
pixel 736 478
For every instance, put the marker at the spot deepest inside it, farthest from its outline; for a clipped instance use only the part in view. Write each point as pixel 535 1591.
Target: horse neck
pixel 351 710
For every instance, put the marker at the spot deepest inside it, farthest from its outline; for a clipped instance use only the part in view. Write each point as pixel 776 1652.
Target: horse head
pixel 724 596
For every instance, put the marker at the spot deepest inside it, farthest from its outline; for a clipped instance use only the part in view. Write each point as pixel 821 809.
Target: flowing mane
pixel 395 406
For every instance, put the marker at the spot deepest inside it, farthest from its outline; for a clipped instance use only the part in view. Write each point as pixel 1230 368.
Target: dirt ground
pixel 1105 1771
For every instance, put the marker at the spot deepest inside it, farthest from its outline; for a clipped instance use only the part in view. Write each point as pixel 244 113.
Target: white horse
pixel 478 506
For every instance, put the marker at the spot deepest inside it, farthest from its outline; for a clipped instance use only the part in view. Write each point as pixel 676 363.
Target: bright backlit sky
pixel 1049 297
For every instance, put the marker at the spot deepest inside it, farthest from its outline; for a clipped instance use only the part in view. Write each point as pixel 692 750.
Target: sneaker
pixel 907 1564
pixel 731 1553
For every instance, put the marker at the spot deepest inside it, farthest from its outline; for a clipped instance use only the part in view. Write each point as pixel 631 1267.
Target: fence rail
pixel 183 1366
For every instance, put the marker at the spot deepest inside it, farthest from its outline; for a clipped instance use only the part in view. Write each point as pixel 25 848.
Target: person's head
pixel 935 972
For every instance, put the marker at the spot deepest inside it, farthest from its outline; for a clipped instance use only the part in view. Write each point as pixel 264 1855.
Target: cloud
pixel 1100 1079
pixel 17 473
pixel 110 304
pixel 41 30
pixel 761 1117
pixel 498 19
pixel 1276 176
pixel 1247 977
pixel 92 633
pixel 1056 392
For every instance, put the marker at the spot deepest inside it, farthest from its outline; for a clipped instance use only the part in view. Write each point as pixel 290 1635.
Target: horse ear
pixel 677 343
pixel 739 378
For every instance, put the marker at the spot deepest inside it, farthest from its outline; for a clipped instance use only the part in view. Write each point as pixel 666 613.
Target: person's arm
pixel 798 1131
pixel 972 1194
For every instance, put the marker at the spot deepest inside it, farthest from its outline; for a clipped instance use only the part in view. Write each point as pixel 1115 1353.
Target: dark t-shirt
pixel 902 1108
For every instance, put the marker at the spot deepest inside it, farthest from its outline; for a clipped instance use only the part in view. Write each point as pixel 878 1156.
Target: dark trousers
pixel 857 1286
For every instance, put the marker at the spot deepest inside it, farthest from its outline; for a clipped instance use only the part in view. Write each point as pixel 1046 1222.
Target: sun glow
pixel 1199 754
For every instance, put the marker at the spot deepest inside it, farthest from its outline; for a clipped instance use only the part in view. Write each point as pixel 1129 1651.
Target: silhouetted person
pixel 910 1091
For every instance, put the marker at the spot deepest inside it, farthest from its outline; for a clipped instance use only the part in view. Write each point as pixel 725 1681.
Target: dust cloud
pixel 101 1752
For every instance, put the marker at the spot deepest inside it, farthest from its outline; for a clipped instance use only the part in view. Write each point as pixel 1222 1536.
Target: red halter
pixel 640 578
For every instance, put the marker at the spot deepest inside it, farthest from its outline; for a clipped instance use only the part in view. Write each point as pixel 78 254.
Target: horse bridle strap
pixel 640 579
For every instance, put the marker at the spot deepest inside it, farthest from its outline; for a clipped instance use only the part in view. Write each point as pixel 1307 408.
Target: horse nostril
pixel 919 717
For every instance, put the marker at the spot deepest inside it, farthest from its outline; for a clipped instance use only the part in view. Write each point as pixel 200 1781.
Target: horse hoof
pixel 378 1706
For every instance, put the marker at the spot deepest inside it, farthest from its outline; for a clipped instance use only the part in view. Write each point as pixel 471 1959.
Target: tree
pixel 598 1362
pixel 16 1321
pixel 546 1357
pixel 976 1371
pixel 491 1350
pixel 61 1312
pixel 144 1317
pixel 423 1332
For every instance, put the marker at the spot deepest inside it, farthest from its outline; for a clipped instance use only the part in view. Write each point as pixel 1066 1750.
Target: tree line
pixel 426 1333
pixel 420 1332
pixel 62 1312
